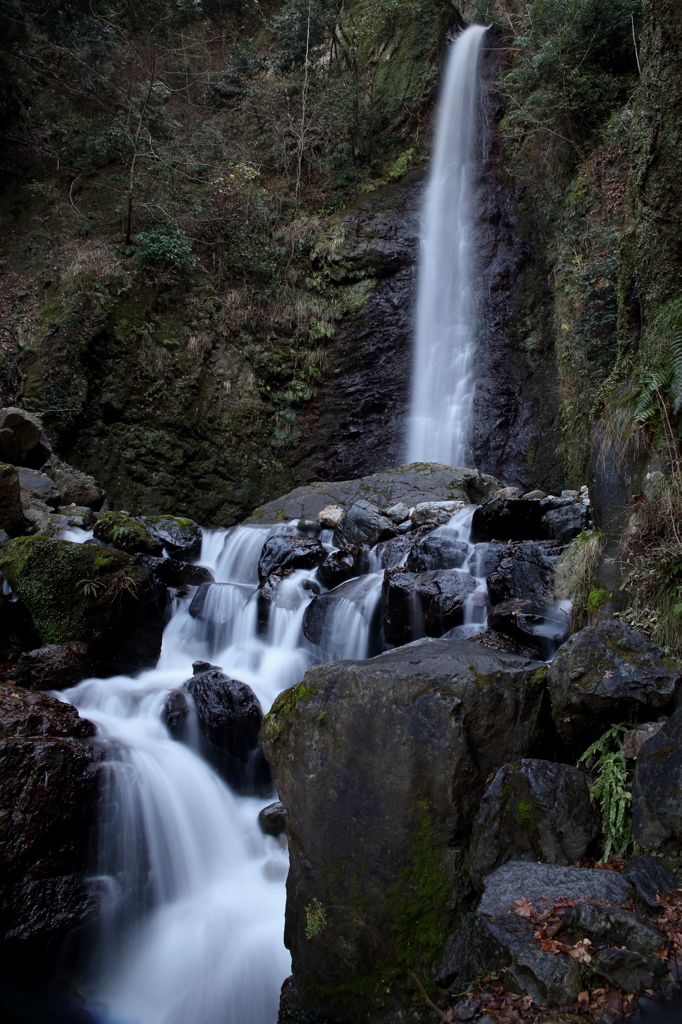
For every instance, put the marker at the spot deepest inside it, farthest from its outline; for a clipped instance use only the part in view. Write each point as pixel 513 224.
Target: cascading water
pixel 445 337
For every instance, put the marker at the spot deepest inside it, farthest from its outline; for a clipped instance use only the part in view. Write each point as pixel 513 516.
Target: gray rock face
pixel 20 436
pixel 179 537
pixel 508 519
pixel 608 673
pixel 612 926
pixel 657 807
pixel 494 937
pixel 364 525
pixel 73 486
pixel 533 811
pixel 454 712
pixel 286 552
pixel 526 623
pixel 11 512
pixel 49 788
pixel 649 877
pixel 565 523
pixel 272 819
pixel 341 565
pixel 436 551
pixel 423 604
pixel 409 484
pixel 38 485
pixel 627 970
pixel 525 571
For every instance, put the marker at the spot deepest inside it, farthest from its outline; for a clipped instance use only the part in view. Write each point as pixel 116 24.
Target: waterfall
pixel 445 337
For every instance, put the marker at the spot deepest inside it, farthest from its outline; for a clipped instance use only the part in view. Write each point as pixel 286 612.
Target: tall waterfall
pixel 439 428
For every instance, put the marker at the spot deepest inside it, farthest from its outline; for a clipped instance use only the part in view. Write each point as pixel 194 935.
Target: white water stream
pixel 445 336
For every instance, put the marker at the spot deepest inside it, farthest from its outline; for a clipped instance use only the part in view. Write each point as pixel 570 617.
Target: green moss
pixel 526 813
pixel 597 598
pixel 418 903
pixel 284 705
pixel 125 532
pixel 539 675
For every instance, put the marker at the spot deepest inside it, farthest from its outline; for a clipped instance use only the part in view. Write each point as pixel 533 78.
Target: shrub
pixel 163 245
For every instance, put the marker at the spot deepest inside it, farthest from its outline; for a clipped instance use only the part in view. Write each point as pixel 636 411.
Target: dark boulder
pixel 171 572
pixel 527 571
pixel 176 715
pixel 38 485
pixel 436 550
pixel 564 523
pixel 54 667
pixel 657 788
pixel 277 593
pixel 74 487
pixel 608 673
pixel 649 878
pixel 400 747
pixel 21 438
pixel 127 533
pixel 345 614
pixel 273 819
pixel 341 565
pixel 85 593
pixel 11 511
pixel 49 789
pixel 390 553
pixel 526 623
pixel 423 604
pixel 365 525
pixel 283 551
pixel 180 537
pixel 508 519
pixel 494 937
pixel 533 811
pixel 627 970
pixel 229 716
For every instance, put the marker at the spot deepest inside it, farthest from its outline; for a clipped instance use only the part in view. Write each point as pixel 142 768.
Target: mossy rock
pixel 126 533
pixel 79 592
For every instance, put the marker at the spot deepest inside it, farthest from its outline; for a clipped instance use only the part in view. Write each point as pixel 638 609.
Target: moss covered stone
pixel 126 533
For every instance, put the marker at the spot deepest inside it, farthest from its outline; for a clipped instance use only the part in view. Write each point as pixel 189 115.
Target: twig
pixel 437 1009
pixel 634 40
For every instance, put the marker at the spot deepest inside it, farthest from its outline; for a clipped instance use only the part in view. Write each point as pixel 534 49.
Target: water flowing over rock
pixel 445 338
pixel 424 604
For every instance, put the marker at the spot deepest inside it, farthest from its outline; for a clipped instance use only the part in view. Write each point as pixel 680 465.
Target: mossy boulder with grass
pixel 80 592
pixel 127 533
pixel 381 765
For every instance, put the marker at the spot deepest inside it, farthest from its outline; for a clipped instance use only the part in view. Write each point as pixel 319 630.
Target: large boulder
pixel 525 571
pixel 346 621
pixel 423 604
pixel 559 519
pixel 73 486
pixel 364 524
pixel 536 811
pixel 608 673
pixel 381 765
pixel 89 594
pixel 38 485
pixel 436 550
pixel 499 933
pixel 283 551
pixel 657 789
pixel 21 438
pixel 229 716
pixel 180 537
pixel 49 789
pixel 127 533
pixel 54 666
pixel 341 565
pixel 527 623
pixel 409 485
pixel 11 512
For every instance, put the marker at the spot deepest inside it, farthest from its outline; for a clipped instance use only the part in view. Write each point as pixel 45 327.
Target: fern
pixel 610 789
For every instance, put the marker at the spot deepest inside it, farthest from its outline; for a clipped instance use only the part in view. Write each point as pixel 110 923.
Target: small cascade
pixel 445 336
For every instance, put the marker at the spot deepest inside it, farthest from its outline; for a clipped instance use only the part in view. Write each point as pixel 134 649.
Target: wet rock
pixel 171 572
pixel 53 667
pixel 80 516
pixel 364 525
pixel 608 673
pixel 38 485
pixel 508 519
pixel 526 624
pixel 454 713
pixel 534 495
pixel 73 486
pixel 634 740
pixel 628 971
pixel 493 937
pixel 217 602
pixel 508 492
pixel 84 593
pixel 49 788
pixel 564 524
pixel 330 516
pixel 277 592
pixel 391 553
pixel 127 533
pixel 21 438
pixel 436 551
pixel 341 565
pixel 285 552
pixel 335 620
pixel 11 511
pixel 612 926
pixel 423 604
pixel 180 537
pixel 175 714
pixel 656 806
pixel 229 716
pixel 397 513
pixel 533 810
pixel 409 484
pixel 436 513
pixel 526 571
pixel 291 1011
pixel 309 527
pixel 649 878
pixel 273 819
pixel 499 642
